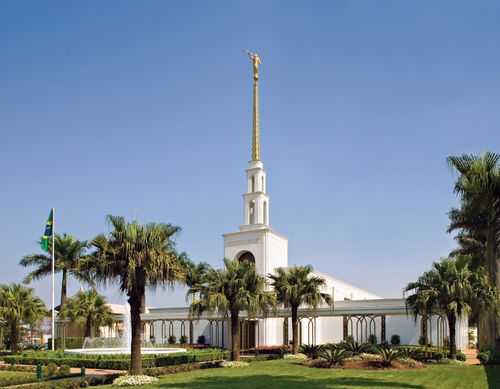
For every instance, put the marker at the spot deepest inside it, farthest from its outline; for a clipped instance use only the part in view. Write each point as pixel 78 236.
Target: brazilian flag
pixel 48 230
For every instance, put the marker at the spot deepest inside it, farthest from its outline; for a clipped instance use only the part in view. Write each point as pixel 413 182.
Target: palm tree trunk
pixel 64 285
pixel 235 337
pixel 143 303
pixel 295 330
pixel 493 263
pixel 14 336
pixel 452 321
pixel 135 320
pixel 88 327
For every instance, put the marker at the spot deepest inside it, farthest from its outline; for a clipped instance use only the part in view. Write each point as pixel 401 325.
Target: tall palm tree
pixel 196 273
pixel 69 260
pixel 19 306
pixel 228 291
pixel 136 256
pixel 451 287
pixel 89 309
pixel 296 286
pixel 478 187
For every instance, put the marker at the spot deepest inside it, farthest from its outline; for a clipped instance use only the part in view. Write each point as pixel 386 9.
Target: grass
pixel 15 377
pixel 290 374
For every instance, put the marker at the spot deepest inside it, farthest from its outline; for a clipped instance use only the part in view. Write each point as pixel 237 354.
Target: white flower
pixel 233 364
pixel 134 380
pixel 299 357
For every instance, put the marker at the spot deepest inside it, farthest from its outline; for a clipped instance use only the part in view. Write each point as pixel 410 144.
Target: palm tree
pixel 228 291
pixel 69 259
pixel 478 187
pixel 196 273
pixel 296 286
pixel 450 287
pixel 19 306
pixel 90 309
pixel 136 256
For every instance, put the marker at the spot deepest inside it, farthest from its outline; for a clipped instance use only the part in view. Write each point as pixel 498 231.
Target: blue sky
pixel 131 106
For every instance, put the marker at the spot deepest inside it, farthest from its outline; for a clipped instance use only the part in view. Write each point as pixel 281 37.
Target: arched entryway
pixel 246 256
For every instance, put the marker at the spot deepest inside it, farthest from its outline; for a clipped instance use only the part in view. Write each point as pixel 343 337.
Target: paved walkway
pixel 471 355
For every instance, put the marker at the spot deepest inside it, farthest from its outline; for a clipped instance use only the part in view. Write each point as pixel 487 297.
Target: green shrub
pixel 64 370
pixel 395 340
pixel 484 357
pixel 372 339
pixel 50 370
pixel 353 347
pixel 183 339
pixel 461 357
pixel 172 339
pixel 334 357
pixel 438 356
pixel 422 340
pixel 387 355
pixel 350 338
pixel 311 351
pixel 201 339
pixel 409 353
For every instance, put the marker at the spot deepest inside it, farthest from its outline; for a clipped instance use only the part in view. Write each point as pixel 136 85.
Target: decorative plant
pixel 388 355
pixel 372 339
pixel 183 339
pixel 172 339
pixel 395 340
pixel 334 357
pixel 201 339
pixel 409 352
pixel 311 351
pixel 354 347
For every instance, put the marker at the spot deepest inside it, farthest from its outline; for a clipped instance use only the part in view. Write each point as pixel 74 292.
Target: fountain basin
pixel 144 350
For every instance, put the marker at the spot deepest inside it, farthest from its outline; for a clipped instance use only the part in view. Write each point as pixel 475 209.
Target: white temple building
pixel 356 312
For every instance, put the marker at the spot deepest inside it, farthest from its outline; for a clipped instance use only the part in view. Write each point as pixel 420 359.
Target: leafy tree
pixel 478 187
pixel 89 309
pixel 235 288
pixel 69 256
pixel 136 256
pixel 196 273
pixel 19 306
pixel 451 287
pixel 296 286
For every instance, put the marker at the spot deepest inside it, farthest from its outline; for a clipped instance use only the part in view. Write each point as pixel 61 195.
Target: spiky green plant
pixel 409 352
pixel 387 354
pixel 354 347
pixel 312 351
pixel 334 357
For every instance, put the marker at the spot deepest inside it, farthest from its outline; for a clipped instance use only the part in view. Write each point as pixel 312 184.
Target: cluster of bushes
pixel 69 383
pixel 116 361
pixel 352 348
pixel 273 350
pixel 488 357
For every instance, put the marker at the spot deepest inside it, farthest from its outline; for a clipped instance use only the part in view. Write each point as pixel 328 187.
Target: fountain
pixel 120 345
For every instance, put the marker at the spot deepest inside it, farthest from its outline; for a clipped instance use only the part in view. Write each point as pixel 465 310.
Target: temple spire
pixel 255 127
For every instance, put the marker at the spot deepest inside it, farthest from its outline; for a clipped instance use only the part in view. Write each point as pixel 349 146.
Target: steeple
pixel 256 200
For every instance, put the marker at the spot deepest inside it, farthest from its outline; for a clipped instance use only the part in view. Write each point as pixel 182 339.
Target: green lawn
pixel 15 377
pixel 290 374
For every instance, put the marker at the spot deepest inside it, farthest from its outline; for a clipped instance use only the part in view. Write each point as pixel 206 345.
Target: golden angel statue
pixel 256 62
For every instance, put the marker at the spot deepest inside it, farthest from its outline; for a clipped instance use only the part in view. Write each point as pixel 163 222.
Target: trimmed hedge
pixel 71 342
pixel 117 361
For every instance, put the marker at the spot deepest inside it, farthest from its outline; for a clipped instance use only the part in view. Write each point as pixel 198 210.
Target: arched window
pixel 246 256
pixel 262 189
pixel 251 213
pixel 253 184
pixel 265 212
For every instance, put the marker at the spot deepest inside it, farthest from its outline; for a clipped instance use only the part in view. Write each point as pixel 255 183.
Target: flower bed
pixel 135 380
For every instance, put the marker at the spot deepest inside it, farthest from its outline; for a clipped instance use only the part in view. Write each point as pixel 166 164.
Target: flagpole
pixel 53 278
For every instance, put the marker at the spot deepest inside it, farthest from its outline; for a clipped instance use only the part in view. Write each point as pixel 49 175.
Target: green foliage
pixel 64 370
pixel 201 339
pixel 484 357
pixel 334 357
pixel 183 339
pixel 354 347
pixel 461 357
pixel 372 339
pixel 117 361
pixel 437 356
pixel 395 340
pixel 387 355
pixel 409 352
pixel 50 370
pixel 172 339
pixel 422 340
pixel 311 351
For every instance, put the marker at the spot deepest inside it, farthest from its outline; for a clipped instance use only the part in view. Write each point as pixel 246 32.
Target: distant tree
pixel 137 256
pixel 296 286
pixel 235 288
pixel 89 309
pixel 18 306
pixel 69 260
